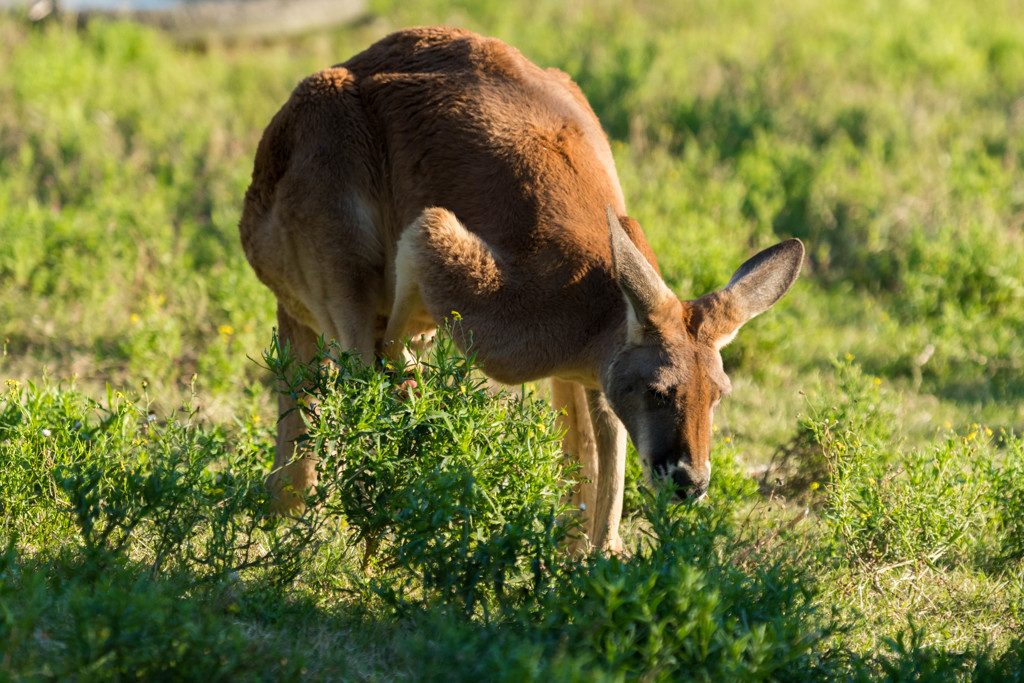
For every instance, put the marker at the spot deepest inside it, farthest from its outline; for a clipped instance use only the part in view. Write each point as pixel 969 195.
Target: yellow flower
pixel 849 356
pixel 135 318
pixel 815 486
pixel 456 316
pixel 226 330
pixel 878 380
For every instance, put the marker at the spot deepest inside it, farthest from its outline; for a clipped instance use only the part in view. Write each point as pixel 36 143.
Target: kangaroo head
pixel 666 378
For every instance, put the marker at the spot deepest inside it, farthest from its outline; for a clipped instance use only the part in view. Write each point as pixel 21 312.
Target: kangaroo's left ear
pixel 754 288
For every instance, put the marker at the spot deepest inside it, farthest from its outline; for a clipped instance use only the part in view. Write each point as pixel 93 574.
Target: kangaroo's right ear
pixel 754 288
pixel 639 281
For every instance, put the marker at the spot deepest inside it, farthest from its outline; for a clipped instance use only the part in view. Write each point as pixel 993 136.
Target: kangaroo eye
pixel 658 396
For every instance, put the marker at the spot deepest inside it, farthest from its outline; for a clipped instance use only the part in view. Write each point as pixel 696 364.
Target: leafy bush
pixel 110 519
pixel 459 494
pixel 678 607
pixel 1006 494
pixel 882 505
pixel 164 493
pixel 460 487
pixel 66 622
pixel 957 500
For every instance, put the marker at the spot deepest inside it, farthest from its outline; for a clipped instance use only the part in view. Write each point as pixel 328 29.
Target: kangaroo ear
pixel 754 288
pixel 639 281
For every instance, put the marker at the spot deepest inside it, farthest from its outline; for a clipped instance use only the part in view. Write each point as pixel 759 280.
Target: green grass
pixel 886 390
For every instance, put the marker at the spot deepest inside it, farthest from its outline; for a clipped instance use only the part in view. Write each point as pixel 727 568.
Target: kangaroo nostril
pixel 682 479
pixel 686 486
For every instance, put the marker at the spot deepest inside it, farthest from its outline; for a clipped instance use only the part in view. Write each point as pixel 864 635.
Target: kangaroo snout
pixel 689 483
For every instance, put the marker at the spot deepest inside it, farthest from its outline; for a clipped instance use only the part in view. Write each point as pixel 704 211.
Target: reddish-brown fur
pixel 441 171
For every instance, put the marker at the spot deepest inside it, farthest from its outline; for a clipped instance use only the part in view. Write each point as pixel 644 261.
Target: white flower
pixel 46 432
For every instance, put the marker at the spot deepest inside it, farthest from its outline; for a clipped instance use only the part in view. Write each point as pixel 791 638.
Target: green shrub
pixel 121 531
pixel 1006 475
pixel 886 505
pixel 677 608
pixel 459 493
pixel 129 488
pixel 455 485
pixel 58 622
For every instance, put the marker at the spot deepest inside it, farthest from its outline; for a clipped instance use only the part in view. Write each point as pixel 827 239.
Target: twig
pixel 802 515
pixel 897 565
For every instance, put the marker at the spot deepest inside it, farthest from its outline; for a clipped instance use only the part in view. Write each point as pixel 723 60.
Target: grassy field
pixel 885 393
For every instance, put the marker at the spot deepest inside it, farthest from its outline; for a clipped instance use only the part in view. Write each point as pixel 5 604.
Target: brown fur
pixel 441 171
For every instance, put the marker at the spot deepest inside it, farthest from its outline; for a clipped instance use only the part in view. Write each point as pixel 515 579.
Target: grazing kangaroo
pixel 441 171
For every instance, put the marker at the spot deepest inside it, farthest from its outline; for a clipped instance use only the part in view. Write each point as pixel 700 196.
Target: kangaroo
pixel 440 171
